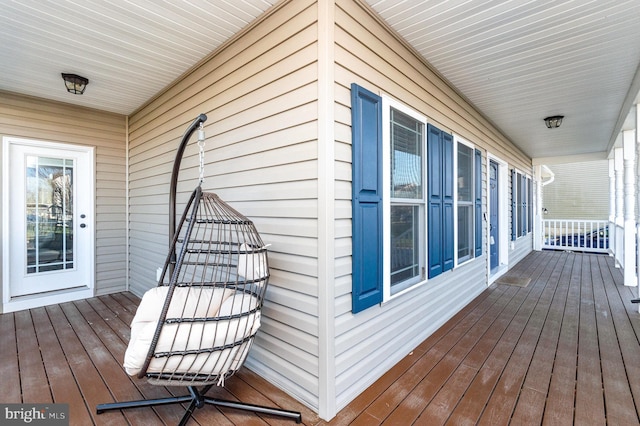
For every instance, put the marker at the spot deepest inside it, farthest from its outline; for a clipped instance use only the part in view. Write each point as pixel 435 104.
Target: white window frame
pixel 517 213
pixel 459 140
pixel 387 104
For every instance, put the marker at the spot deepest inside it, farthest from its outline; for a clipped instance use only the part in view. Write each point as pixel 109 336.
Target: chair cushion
pixel 188 302
pixel 252 266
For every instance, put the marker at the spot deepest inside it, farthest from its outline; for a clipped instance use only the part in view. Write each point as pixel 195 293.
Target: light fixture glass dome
pixel 553 121
pixel 75 84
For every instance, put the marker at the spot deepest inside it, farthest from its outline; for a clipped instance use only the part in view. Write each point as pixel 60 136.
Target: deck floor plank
pixel 395 396
pixel 562 350
pixel 358 406
pixel 491 360
pixel 59 375
pixel 618 399
pixel 516 348
pixel 33 378
pixel 531 402
pixel 9 367
pixel 106 350
pixel 89 379
pixel 626 334
pixel 589 403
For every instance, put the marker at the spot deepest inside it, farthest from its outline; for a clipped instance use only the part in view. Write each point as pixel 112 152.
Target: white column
pixel 619 218
pixel 612 190
pixel 612 205
pixel 629 156
pixel 619 164
pixel 637 137
pixel 538 231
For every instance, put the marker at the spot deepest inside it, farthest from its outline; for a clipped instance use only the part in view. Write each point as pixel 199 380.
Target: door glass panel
pixel 49 214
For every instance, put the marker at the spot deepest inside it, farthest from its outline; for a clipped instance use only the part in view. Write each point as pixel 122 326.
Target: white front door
pixel 48 235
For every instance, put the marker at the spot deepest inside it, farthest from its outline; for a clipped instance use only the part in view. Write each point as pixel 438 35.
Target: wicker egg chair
pixel 196 327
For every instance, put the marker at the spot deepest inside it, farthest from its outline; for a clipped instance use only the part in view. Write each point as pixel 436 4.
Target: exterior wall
pixel 579 191
pixel 371 342
pixel 260 94
pixel 265 156
pixel 519 248
pixel 38 119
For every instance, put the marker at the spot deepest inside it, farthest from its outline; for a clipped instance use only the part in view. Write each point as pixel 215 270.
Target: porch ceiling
pixel 516 61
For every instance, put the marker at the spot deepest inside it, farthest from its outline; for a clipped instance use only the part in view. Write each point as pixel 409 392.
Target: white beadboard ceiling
pixel 517 61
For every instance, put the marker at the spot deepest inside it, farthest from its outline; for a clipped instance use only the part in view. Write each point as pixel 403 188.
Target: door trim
pixel 15 303
pixel 494 205
pixel 503 212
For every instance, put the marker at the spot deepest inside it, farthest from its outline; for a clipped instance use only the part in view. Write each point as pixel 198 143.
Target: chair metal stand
pixel 197 399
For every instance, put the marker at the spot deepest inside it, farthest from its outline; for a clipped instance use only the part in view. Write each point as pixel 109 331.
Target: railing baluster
pixel 576 234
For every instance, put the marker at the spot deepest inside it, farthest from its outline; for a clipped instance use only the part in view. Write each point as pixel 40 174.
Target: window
pixel 465 201
pixel 521 205
pixel 403 199
pixel 468 201
pixel 406 146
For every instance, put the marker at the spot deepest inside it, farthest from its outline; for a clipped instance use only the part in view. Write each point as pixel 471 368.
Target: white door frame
pixel 503 206
pixel 11 303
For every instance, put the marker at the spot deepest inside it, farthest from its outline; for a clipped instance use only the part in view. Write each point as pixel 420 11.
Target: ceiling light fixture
pixel 553 121
pixel 74 83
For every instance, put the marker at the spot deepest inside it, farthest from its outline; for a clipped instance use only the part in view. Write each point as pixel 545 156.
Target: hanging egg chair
pixel 196 327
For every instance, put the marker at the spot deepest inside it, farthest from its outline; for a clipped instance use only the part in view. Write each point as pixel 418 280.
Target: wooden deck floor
pixel 563 350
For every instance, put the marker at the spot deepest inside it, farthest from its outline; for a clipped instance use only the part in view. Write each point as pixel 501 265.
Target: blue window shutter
pixel 514 210
pixel 448 241
pixel 478 202
pixel 530 207
pixel 523 208
pixel 435 227
pixel 366 121
pixel 440 198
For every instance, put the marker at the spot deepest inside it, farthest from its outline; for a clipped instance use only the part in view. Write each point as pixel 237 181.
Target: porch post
pixel 618 252
pixel 637 138
pixel 538 232
pixel 612 207
pixel 629 153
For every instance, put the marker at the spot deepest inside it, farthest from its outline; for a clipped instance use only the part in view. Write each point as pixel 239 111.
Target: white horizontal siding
pixel 260 95
pixel 520 248
pixel 371 342
pixel 579 191
pixel 33 118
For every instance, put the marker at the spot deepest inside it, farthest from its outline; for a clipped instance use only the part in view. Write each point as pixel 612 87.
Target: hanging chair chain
pixel 201 147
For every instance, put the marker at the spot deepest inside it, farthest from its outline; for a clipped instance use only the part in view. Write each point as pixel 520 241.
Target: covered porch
pixel 555 340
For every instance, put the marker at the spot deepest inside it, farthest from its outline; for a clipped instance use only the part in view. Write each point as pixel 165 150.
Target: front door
pixel 494 227
pixel 48 230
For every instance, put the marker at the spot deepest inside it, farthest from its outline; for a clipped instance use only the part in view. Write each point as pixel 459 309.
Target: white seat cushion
pixel 187 303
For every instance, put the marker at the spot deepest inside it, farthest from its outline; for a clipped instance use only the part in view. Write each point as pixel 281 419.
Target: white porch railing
pixel 577 235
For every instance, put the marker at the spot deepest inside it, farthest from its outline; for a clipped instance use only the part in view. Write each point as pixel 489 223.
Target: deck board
pixel 33 379
pixel 562 350
pixel 393 396
pixel 9 367
pixel 492 360
pixel 61 380
pixel 619 404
